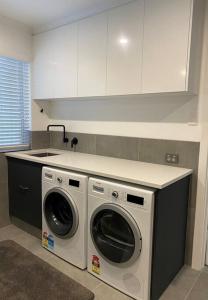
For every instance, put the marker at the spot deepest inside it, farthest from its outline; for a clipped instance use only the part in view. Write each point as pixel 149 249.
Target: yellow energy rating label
pixel 96 264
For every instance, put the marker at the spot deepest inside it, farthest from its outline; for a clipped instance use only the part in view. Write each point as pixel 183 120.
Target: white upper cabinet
pixel 55 63
pixel 92 44
pixel 65 58
pixel 43 67
pixel 167 37
pixel 124 57
pixel 145 46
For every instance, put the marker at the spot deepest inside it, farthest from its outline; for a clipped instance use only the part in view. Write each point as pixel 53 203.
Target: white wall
pixel 165 117
pixel 201 217
pixel 16 40
pixel 40 120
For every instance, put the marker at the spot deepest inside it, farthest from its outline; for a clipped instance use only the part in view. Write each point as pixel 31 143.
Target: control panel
pixel 64 179
pixel 121 193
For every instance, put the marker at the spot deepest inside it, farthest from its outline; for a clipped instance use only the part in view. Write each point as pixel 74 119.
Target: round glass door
pixel 60 213
pixel 115 234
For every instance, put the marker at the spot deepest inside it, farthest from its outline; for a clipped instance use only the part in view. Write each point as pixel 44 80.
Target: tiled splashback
pixel 146 150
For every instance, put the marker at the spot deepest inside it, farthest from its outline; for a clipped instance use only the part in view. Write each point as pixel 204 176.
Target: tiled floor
pixel 188 285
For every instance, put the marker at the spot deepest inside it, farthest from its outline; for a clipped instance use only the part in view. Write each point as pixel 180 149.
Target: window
pixel 14 103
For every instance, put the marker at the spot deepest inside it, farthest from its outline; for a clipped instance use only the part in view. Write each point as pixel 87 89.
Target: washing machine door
pixel 115 234
pixel 60 213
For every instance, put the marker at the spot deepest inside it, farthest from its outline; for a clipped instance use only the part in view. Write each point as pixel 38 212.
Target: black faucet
pixel 65 139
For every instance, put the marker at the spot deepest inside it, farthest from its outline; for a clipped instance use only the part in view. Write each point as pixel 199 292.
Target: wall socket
pixel 171 158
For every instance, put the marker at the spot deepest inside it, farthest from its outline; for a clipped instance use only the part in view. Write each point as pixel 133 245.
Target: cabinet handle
pixel 24 188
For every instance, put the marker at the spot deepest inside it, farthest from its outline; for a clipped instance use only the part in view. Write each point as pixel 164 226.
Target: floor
pixel 188 285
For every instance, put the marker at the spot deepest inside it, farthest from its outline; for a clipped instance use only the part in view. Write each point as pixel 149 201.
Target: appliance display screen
pixel 135 199
pixel 73 182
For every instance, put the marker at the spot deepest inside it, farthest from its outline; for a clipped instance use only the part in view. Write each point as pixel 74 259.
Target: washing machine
pixel 120 230
pixel 64 215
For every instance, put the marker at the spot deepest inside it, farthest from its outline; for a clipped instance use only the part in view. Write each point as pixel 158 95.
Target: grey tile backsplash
pixel 86 144
pixel 40 139
pixel 116 146
pixel 146 150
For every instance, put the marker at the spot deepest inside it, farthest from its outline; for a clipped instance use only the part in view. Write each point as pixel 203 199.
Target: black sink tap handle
pixel 74 142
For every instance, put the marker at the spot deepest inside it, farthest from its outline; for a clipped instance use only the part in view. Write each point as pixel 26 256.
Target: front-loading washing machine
pixel 120 229
pixel 64 215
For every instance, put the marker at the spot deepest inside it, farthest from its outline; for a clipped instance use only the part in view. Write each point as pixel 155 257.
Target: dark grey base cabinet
pixel 169 235
pixel 25 202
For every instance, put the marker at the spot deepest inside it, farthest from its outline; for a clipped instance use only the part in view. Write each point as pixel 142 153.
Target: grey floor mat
pixel 24 276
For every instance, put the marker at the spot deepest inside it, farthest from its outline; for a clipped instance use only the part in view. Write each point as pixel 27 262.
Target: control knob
pixel 115 194
pixel 59 179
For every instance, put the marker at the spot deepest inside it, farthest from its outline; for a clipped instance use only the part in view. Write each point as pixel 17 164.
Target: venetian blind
pixel 14 103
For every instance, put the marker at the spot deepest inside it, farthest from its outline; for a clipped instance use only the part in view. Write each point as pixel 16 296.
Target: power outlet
pixel 171 158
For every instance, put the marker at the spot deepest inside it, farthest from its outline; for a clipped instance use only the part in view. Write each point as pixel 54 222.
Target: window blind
pixel 15 112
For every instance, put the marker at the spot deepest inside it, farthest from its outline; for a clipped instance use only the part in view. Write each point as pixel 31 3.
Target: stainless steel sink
pixel 44 154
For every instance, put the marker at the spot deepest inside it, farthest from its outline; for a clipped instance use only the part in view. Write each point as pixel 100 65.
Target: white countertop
pixel 147 174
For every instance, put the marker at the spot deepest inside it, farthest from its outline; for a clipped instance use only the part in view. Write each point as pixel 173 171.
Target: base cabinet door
pixel 25 200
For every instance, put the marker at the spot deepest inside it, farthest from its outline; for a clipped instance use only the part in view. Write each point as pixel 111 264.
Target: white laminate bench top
pixel 146 174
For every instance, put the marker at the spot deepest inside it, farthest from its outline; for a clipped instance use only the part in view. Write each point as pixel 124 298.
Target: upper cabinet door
pixel 92 44
pixel 124 59
pixel 167 30
pixel 145 46
pixel 55 63
pixel 43 66
pixel 65 59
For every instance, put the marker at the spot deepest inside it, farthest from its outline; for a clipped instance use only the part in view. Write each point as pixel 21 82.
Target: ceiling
pixel 42 15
